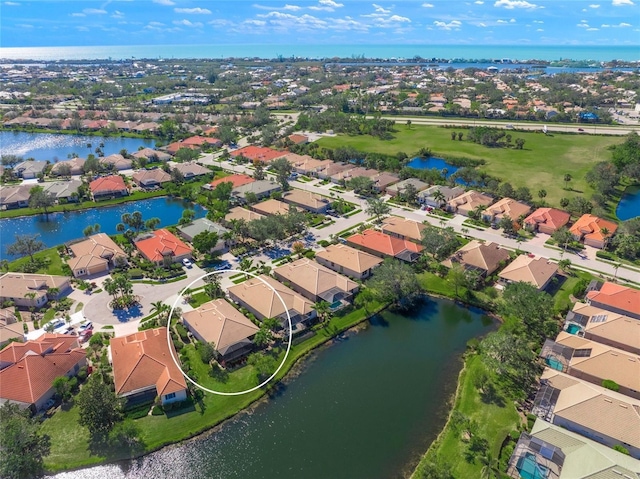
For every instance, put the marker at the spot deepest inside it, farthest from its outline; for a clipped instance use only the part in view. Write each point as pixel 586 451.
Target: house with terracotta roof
pixel 468 202
pixel 616 298
pixel 151 178
pixel 316 282
pixel 258 153
pixel 298 139
pixel 27 370
pixel 108 187
pixel 485 258
pixel 349 261
pixel 536 271
pixel 116 161
pixel 27 290
pixel 593 362
pixel 505 207
pixel 238 213
pixel 403 228
pixel 163 247
pixel 546 220
pixel 307 201
pixel 237 179
pixel 10 329
pixel 384 245
pixel 201 141
pixel 590 410
pixel 613 329
pixel 228 329
pixel 173 148
pixel 94 256
pixel 191 169
pixel 261 300
pixel 593 231
pixel 143 368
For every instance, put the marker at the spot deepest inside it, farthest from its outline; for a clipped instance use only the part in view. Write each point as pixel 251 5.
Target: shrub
pixel 622 449
pixel 609 384
pixel 157 411
pixel 138 412
pixel 310 254
pixel 182 331
pixel 135 273
pixel 580 287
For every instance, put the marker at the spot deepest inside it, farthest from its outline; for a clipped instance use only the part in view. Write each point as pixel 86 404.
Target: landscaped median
pixel 69 441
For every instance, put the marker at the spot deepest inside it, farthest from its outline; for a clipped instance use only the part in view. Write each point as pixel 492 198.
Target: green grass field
pixel 49 258
pixel 542 163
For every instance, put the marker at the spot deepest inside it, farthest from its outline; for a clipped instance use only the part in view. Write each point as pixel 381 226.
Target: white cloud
pixel 538 21
pixel 623 25
pixel 94 11
pixel 592 29
pixel 187 23
pixel 427 5
pixel 164 2
pixel 605 25
pixel 452 25
pixel 540 30
pixel 479 2
pixel 287 21
pixel 326 5
pixel 12 4
pixel 582 25
pixel 193 11
pixel 513 20
pixel 621 3
pixel 117 14
pixel 594 5
pixel 78 14
pixel 82 29
pixel 380 9
pixel 24 25
pixel 258 23
pixel 511 4
pixel 291 8
pixel 502 21
pixel 398 18
pixel 483 25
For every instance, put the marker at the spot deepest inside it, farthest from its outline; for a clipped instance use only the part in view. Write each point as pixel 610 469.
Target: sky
pixel 317 22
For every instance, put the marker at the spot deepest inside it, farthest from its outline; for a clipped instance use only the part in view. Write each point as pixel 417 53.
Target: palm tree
pixel 323 310
pixel 465 231
pixel 262 336
pixel 245 265
pixel 605 233
pixel 567 179
pixel 490 466
pixel 615 271
pixel 542 194
pixel 439 197
pixel 159 308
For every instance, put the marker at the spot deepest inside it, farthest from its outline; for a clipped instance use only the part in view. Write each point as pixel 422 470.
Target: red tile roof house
pixel 616 298
pixel 27 370
pixel 237 179
pixel 163 247
pixel 383 245
pixel 258 153
pixel 143 368
pixel 589 229
pixel 546 220
pixel 108 187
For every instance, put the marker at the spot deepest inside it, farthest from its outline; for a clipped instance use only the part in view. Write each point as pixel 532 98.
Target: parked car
pixel 85 335
pixel 187 262
pixel 580 129
pixel 85 326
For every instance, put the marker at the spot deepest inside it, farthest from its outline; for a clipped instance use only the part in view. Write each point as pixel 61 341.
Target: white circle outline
pixel 172 351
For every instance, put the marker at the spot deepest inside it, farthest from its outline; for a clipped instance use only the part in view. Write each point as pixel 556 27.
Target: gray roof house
pixel 15 196
pixel 63 190
pixel 399 187
pixel 189 231
pixel 191 169
pixel 29 169
pixel 426 197
pixel 261 188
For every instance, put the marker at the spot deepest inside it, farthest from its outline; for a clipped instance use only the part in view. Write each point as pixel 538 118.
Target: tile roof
pixel 117 160
pixel 107 183
pixel 590 227
pixel 240 213
pixel 313 277
pixel 551 217
pixel 400 186
pixel 410 229
pixel 384 243
pixel 150 153
pixel 350 258
pixel 191 168
pixel 156 175
pixel 98 248
pixel 306 199
pixel 142 360
pixel 220 323
pixel 201 225
pixel 16 285
pixel 258 153
pixel 162 243
pixel 617 296
pixel 470 200
pixel 535 271
pixel 272 207
pixel 259 187
pixel 479 255
pixel 507 207
pixel 237 179
pixel 608 326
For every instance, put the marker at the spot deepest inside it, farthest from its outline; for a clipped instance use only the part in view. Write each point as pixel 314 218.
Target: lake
pixel 430 163
pixel 57 147
pixel 62 227
pixel 629 205
pixel 367 406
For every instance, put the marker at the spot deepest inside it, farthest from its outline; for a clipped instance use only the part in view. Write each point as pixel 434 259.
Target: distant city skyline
pixel 320 22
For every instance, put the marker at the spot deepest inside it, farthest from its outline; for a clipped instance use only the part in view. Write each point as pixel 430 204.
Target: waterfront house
pixel 384 245
pixel 30 169
pixel 10 329
pixel 506 207
pixel 593 231
pixel 403 228
pixel 27 370
pixel 307 201
pixel 191 169
pixel 116 162
pixel 271 207
pixel 382 180
pixel 94 256
pixel 76 166
pixel 15 196
pixel 151 178
pixel 162 248
pixel 108 187
pixel 536 271
pixel 223 325
pixel 616 298
pixel 263 302
pixel 191 230
pixel 237 179
pixel 431 198
pixel 485 258
pixel 143 368
pixel 352 262
pixel 152 155
pixel 398 188
pixel 546 220
pixel 260 188
pixel 63 191
pixel 27 290
pixel 468 202
pixel 590 410
pixel 316 282
pixel 552 452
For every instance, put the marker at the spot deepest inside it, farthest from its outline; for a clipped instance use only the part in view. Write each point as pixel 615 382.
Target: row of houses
pixel 589 398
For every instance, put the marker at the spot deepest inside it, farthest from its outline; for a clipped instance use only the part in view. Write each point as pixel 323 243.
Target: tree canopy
pixel 396 283
pixel 99 407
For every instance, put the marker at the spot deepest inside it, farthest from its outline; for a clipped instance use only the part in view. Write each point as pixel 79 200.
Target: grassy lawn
pixel 69 441
pixel 562 302
pixel 541 164
pixel 495 422
pixel 49 259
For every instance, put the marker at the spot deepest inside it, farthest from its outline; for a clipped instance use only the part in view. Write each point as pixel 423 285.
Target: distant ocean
pixel 469 52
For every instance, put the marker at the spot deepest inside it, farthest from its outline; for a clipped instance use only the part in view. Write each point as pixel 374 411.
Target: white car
pixel 187 262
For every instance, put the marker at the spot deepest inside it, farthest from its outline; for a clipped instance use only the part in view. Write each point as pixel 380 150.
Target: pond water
pixel 432 162
pixel 629 205
pixel 59 228
pixel 366 407
pixel 57 147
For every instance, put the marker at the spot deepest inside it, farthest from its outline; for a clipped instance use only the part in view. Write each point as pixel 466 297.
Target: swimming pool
pixel 530 469
pixel 554 364
pixel 573 329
